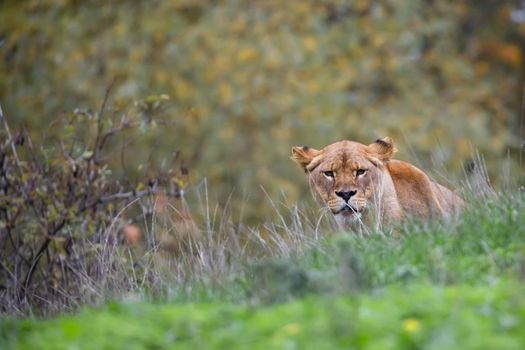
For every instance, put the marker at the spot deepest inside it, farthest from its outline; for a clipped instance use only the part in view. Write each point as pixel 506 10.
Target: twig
pixel 124 126
pixel 33 151
pixel 100 126
pixel 117 196
pixel 10 139
pixel 43 248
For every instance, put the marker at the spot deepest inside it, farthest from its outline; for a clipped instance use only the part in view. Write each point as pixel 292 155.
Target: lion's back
pixel 418 195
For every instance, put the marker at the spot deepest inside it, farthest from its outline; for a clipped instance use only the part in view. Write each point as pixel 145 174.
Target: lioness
pixel 360 184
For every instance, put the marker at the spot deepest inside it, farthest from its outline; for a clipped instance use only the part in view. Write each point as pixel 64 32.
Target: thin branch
pixel 41 250
pixel 100 126
pixel 10 139
pixel 122 127
pixel 117 196
pixel 33 152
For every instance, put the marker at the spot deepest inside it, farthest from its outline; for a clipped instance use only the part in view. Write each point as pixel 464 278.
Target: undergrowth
pixel 434 287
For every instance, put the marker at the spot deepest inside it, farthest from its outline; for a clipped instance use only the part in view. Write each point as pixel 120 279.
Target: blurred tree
pixel 250 79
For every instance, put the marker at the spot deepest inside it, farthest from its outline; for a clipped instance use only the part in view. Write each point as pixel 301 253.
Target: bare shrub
pixel 60 212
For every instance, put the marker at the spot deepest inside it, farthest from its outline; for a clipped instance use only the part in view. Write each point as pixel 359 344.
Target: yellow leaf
pixel 225 93
pixel 246 54
pixel 310 44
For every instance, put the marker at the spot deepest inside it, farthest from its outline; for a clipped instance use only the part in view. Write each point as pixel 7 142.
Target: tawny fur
pixel 363 184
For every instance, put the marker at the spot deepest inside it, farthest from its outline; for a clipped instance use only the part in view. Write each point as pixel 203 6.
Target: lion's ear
pixel 303 155
pixel 382 149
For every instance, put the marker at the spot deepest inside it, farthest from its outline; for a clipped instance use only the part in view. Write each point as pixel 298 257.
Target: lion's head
pixel 344 176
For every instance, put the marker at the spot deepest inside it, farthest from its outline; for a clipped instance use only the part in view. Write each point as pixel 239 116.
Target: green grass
pixel 416 316
pixel 457 285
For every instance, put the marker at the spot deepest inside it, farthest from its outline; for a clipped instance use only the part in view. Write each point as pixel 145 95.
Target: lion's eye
pixel 360 172
pixel 328 173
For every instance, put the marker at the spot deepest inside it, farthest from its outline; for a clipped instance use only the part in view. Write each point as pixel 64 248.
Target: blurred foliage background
pixel 247 80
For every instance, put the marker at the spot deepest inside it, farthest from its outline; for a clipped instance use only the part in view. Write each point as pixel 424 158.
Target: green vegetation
pixel 415 317
pixel 108 241
pixel 457 285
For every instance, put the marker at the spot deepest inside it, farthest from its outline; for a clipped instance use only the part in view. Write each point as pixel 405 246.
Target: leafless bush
pixel 60 213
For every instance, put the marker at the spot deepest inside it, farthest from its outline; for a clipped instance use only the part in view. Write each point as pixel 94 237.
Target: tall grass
pixel 179 252
pixel 432 287
pixel 194 249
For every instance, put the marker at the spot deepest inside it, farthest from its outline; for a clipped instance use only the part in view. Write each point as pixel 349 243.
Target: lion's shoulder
pixel 418 194
pixel 403 172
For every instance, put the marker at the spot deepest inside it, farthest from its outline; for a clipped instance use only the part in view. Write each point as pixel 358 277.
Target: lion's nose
pixel 346 195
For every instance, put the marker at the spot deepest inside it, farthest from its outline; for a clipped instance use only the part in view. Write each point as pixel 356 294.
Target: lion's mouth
pixel 347 210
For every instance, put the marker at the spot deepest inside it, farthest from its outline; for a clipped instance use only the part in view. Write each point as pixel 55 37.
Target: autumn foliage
pixel 249 79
